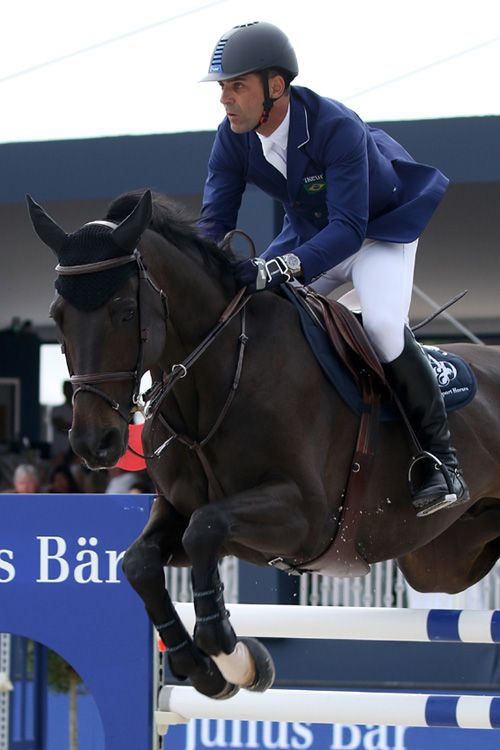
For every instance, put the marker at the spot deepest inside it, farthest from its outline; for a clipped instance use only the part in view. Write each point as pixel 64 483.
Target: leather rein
pixel 150 403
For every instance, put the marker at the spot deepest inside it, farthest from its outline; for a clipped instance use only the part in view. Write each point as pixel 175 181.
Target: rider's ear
pixel 46 228
pixel 127 234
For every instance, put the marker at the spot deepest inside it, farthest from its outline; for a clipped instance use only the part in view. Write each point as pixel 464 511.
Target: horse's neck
pixel 196 300
pixel 196 297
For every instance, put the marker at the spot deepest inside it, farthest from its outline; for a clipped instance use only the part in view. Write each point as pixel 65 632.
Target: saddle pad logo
pixel 444 371
pixel 315 183
pixel 454 376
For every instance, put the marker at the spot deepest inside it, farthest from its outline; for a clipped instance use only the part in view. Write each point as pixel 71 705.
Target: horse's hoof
pixel 210 681
pixel 228 692
pixel 265 672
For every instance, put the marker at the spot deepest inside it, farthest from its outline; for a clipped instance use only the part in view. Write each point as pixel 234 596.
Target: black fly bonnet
pixel 92 244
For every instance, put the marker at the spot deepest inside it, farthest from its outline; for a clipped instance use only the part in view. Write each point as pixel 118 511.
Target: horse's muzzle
pixel 99 448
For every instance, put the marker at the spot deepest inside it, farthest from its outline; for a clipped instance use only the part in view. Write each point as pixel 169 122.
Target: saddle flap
pixel 346 334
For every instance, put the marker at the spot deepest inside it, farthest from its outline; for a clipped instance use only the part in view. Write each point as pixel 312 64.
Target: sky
pixel 116 67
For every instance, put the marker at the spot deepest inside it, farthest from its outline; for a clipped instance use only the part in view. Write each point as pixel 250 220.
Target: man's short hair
pixel 26 470
pixel 285 74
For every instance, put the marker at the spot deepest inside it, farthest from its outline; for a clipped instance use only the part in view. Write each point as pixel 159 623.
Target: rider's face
pixel 242 99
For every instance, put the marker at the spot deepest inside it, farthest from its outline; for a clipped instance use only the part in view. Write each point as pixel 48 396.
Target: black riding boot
pixel 440 483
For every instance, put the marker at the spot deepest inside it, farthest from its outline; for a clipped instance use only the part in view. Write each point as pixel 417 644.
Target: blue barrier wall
pixel 61 585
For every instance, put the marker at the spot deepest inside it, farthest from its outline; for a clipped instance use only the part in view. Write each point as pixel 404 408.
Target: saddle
pixel 347 337
pixel 345 364
pixel 357 357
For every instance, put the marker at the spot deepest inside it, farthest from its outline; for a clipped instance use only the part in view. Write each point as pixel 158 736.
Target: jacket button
pixel 318 214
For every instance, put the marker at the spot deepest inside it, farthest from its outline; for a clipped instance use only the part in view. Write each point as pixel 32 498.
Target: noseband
pixel 86 382
pixel 160 390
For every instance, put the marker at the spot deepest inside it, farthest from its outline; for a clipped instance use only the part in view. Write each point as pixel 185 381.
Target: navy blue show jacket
pixel 346 182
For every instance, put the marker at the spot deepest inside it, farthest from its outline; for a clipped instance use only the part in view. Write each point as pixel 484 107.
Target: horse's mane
pixel 171 221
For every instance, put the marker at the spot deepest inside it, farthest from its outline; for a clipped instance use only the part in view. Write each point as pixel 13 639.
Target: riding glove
pixel 258 274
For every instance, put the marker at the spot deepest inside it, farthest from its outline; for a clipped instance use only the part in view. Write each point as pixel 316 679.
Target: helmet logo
pixel 216 62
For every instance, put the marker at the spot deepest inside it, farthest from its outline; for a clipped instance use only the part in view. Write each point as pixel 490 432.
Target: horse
pixel 247 442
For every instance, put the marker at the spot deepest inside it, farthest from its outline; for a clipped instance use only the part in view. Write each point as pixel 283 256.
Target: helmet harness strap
pixel 268 101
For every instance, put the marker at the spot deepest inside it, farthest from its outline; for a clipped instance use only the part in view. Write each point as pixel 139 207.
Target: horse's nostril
pixel 108 441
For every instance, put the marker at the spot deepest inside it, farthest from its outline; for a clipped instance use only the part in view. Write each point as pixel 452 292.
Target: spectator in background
pixel 120 481
pixel 61 418
pixel 26 480
pixel 142 486
pixel 62 481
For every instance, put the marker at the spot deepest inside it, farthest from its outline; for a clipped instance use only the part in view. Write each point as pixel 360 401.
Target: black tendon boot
pixel 439 483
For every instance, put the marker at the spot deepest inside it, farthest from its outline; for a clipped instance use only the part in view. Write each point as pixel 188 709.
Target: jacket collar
pixel 298 134
pixel 298 137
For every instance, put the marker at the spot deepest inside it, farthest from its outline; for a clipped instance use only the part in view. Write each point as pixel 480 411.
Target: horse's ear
pixel 127 234
pixel 46 228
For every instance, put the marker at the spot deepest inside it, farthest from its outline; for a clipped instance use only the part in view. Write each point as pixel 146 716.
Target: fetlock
pixel 213 632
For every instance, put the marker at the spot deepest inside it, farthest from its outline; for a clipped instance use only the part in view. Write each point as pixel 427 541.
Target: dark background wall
pixel 76 180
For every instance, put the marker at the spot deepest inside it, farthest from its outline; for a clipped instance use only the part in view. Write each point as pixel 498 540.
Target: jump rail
pixel 359 623
pixel 180 704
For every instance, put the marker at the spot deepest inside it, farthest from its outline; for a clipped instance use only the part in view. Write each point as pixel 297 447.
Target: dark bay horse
pixel 248 444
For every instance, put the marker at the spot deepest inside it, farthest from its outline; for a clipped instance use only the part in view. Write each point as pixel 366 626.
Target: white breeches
pixel 382 275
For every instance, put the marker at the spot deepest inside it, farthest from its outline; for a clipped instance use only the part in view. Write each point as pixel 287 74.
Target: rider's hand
pixel 258 274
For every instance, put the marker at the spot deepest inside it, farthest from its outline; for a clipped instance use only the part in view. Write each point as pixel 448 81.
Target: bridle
pixel 86 382
pixel 160 390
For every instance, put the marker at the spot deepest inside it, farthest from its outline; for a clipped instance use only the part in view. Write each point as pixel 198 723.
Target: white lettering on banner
pixel 271 735
pixel 91 568
pixel 348 732
pixel 218 736
pixel 252 741
pixel 277 729
pixel 371 737
pixel 6 567
pixel 399 738
pixel 304 738
pixel 114 558
pixel 92 564
pixel 376 739
pixel 58 558
pixel 235 738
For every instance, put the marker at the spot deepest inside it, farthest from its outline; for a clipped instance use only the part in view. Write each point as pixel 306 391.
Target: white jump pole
pixel 359 623
pixel 179 704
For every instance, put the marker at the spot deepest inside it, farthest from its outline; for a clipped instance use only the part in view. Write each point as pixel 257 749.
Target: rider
pixel 355 205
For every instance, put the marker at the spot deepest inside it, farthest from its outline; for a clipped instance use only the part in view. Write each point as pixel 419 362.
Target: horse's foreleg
pixel 263 520
pixel 143 566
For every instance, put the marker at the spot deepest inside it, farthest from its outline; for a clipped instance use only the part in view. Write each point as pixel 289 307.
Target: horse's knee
pixel 141 563
pixel 206 531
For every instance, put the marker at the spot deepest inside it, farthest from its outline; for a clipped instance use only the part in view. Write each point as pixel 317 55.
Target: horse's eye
pixel 122 310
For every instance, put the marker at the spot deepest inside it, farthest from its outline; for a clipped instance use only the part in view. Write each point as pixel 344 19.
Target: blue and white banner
pixel 61 584
pixel 220 734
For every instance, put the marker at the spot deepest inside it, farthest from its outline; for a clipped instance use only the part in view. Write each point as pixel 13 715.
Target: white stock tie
pixel 275 155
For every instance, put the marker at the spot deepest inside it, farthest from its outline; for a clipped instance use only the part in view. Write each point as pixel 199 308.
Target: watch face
pixel 292 261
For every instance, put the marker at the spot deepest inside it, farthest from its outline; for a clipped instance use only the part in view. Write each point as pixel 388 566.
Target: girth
pixel 352 346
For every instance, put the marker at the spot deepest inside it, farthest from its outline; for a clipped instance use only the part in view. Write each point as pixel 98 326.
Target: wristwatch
pixel 293 264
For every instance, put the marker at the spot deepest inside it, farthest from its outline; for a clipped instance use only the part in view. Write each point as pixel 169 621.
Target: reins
pixel 157 394
pixel 160 391
pixel 151 402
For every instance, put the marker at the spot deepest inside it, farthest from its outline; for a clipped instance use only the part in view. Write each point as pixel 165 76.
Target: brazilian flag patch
pixel 314 184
